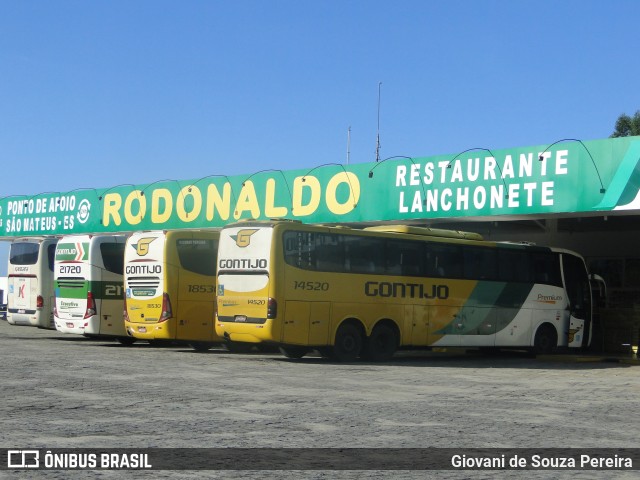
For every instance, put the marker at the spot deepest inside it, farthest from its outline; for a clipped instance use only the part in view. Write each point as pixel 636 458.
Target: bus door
pixel 419 325
pixel 306 323
pixel 576 283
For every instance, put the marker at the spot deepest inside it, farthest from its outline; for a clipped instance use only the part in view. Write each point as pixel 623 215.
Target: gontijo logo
pixel 72 251
pixel 142 247
pixel 243 238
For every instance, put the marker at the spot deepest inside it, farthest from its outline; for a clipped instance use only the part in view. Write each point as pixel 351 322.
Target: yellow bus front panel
pixel 171 285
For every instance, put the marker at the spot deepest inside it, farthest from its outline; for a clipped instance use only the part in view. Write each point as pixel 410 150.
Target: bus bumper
pixel 149 331
pixel 247 333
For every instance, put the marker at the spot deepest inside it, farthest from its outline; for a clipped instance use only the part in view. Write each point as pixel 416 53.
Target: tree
pixel 627 126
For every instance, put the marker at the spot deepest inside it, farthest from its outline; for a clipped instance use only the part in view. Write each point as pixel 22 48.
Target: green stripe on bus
pixel 490 303
pixel 101 290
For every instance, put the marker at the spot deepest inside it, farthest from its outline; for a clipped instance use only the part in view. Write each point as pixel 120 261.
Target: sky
pixel 101 93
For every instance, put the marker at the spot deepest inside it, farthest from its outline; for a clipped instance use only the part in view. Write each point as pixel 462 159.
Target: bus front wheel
pixel 546 340
pixel 381 344
pixel 126 340
pixel 348 344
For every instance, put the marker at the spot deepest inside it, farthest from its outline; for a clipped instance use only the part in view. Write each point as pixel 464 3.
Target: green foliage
pixel 627 126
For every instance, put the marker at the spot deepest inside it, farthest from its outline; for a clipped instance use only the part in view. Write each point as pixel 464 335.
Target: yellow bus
pixel 351 293
pixel 169 279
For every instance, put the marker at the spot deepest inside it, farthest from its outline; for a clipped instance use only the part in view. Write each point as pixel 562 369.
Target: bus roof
pixel 405 229
pixel 426 231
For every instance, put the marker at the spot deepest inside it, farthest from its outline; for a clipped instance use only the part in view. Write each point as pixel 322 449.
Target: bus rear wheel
pixel 381 344
pixel 348 344
pixel 294 352
pixel 546 340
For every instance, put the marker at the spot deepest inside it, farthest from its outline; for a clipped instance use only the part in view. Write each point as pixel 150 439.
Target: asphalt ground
pixel 66 391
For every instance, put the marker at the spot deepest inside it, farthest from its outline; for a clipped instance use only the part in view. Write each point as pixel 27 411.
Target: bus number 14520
pixel 312 286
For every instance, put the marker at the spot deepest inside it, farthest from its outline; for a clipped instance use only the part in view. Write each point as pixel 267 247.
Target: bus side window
pixel 325 260
pixel 297 249
pixel 392 258
pixel 480 263
pixel 51 255
pixel 514 266
pixel 444 261
pixel 411 262
pixel 113 257
pixel 411 258
pixel 402 257
pixel 198 255
pixel 325 253
pixel 546 269
pixel 360 253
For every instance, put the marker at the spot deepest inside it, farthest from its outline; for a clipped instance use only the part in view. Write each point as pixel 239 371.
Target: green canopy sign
pixel 567 176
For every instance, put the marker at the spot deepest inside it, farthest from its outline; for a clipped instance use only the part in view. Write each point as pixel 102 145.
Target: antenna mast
pixel 378 135
pixel 348 143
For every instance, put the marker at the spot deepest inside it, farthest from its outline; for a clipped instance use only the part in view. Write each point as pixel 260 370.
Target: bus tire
pixel 201 346
pixel 348 343
pixel 294 352
pixel 381 344
pixel 546 340
pixel 126 340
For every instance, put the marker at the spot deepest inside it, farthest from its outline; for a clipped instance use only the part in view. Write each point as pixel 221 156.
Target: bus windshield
pixel 192 251
pixel 24 253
